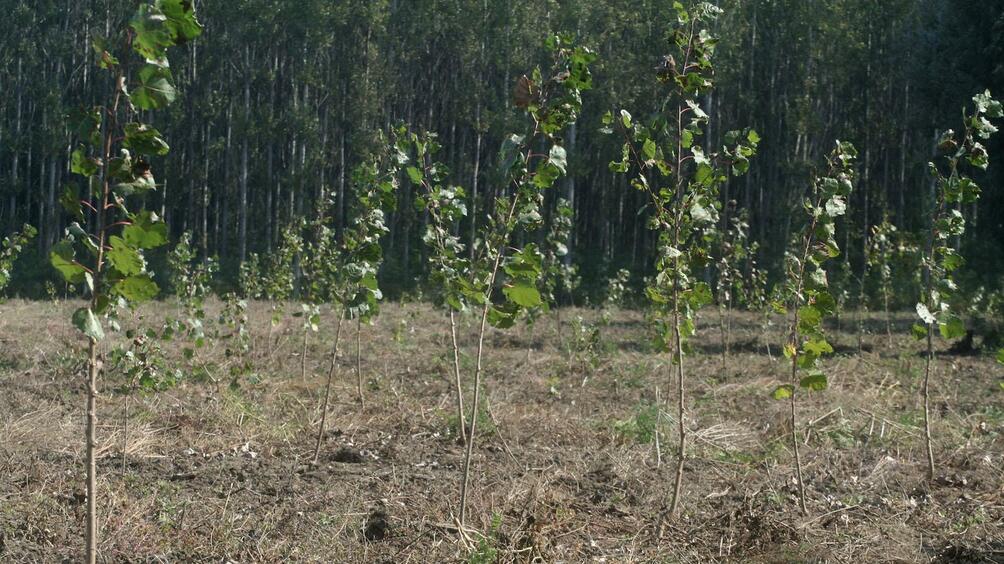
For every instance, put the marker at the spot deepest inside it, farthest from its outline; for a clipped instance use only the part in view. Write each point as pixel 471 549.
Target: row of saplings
pixel 493 281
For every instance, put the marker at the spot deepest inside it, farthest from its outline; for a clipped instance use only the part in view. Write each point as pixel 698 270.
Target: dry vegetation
pixel 567 467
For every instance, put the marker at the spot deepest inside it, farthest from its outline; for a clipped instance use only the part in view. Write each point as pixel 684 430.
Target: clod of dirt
pixel 347 456
pixel 377 526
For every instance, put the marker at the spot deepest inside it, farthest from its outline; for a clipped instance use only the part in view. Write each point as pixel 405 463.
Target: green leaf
pixel 139 288
pixel 62 258
pixel 523 295
pixel 123 257
pixel 782 392
pixel 954 328
pixel 88 324
pixel 836 206
pixel 1000 356
pixel 415 175
pixel 82 164
pixel 181 21
pixel 648 149
pixel 152 37
pixel 145 231
pixel 918 331
pixel 814 382
pixel 818 347
pixel 558 158
pixel 155 88
pixel 144 140
pixel 626 119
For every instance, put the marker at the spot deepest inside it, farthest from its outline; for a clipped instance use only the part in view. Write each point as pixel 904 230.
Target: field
pixel 566 467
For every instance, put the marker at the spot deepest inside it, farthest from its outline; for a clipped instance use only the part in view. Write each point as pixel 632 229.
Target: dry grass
pixel 566 473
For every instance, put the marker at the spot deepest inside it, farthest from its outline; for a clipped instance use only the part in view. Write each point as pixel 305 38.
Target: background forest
pixel 279 101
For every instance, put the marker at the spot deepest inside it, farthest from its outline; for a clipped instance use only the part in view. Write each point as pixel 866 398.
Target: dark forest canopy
pixel 279 101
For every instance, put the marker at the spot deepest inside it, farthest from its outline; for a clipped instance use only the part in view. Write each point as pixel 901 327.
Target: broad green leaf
pixel 1000 356
pixel 137 288
pixel 144 140
pixel 814 382
pixel 648 149
pixel 62 258
pixel 818 347
pixel 523 295
pixel 145 231
pixel 836 207
pixel 415 175
pixel 151 37
pixel 782 392
pixel 123 257
pixel 155 88
pixel 82 164
pixel 88 323
pixel 181 20
pixel 500 318
pixel 918 331
pixel 954 328
pixel 558 158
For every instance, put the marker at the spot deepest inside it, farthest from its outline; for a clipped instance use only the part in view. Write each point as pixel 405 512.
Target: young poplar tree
pixel 114 157
pixel 530 163
pixel 450 269
pixel 882 246
pixel 805 291
pixel 731 287
pixel 10 249
pixel 352 266
pixel 955 189
pixel 682 182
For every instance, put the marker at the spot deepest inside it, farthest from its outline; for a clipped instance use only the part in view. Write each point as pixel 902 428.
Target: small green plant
pixel 805 291
pixel 616 293
pixel 114 156
pixel 733 252
pixel 190 279
pixel 485 551
pixel 350 279
pixel 955 189
pixel 642 426
pixel 10 249
pixel 882 247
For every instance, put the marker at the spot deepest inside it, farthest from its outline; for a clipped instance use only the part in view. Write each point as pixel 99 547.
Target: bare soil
pixel 566 467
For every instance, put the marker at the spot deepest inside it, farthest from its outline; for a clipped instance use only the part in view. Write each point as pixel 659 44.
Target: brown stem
pixel 303 355
pixel 477 369
pixel 927 402
pixel 327 387
pixel 359 363
pixel 92 472
pixel 457 383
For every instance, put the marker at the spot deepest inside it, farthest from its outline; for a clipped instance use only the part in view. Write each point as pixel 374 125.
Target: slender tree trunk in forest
pixel 242 235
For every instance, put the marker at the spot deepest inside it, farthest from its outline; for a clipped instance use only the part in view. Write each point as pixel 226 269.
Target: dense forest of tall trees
pixel 280 100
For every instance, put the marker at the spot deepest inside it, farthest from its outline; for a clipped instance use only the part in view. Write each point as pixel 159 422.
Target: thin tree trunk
pixel 927 402
pixel 477 369
pixel 456 374
pixel 91 441
pixel 359 363
pixel 327 387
